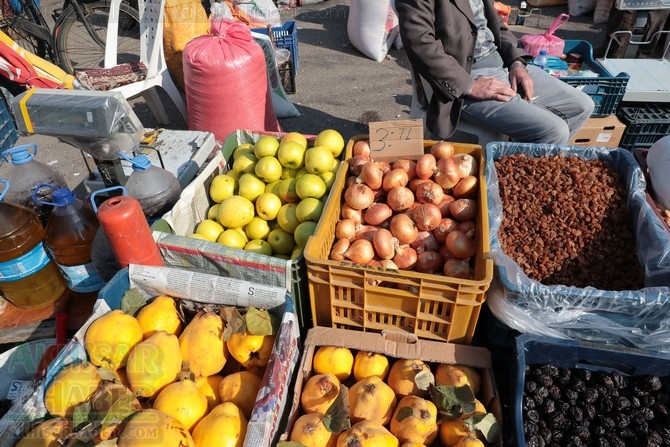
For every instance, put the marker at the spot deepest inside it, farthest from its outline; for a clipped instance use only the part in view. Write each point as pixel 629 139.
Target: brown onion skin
pixel 339 248
pixel 377 214
pixel 356 164
pixel 426 166
pixel 445 227
pixel 362 148
pixel 403 229
pixel 385 166
pixel 384 244
pixel 408 165
pixel 359 196
pixel 393 178
pixel 347 212
pixel 463 209
pixel 428 262
pixel 466 164
pixel 415 182
pixel 429 192
pixel 446 174
pixel 466 187
pixel 468 227
pixel 458 268
pixel 405 257
pixel 445 204
pixel 366 232
pixel 371 175
pixel 360 252
pixel 442 149
pixel 400 198
pixel 426 241
pixel 345 229
pixel 459 245
pixel 427 216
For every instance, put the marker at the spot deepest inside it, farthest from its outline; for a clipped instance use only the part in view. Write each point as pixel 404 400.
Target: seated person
pixel 622 20
pixel 464 50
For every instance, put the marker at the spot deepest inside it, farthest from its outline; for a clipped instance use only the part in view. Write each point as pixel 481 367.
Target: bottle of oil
pixel 28 277
pixel 68 236
pixel 26 174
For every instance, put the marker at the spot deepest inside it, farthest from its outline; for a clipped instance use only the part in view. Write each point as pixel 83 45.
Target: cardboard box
pixel 600 132
pixel 396 345
pixel 275 391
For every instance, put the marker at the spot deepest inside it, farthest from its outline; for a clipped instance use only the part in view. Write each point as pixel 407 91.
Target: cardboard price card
pixel 390 140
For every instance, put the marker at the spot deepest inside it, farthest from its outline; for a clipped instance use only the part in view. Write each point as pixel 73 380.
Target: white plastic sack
pixel 372 27
pixel 581 7
pixel 283 106
pixel 259 11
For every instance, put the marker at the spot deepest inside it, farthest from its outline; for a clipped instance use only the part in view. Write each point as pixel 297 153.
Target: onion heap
pixel 410 215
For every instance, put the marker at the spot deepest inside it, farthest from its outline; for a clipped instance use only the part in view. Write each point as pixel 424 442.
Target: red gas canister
pixel 128 231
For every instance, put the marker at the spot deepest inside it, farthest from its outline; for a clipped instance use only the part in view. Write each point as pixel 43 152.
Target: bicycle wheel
pixel 23 22
pixel 77 50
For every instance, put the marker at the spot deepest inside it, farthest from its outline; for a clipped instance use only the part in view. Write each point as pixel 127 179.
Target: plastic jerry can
pixel 28 277
pixel 25 174
pixel 68 236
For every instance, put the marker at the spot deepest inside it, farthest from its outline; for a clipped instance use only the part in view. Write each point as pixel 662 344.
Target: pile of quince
pixel 158 377
pixel 371 400
pixel 273 193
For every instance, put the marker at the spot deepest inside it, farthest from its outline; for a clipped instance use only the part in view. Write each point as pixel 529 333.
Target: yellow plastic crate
pixel 350 296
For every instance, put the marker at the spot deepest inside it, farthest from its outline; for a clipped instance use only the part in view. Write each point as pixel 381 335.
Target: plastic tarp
pixel 639 318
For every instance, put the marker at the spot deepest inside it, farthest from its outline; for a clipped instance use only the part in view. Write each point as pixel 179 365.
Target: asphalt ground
pixel 336 86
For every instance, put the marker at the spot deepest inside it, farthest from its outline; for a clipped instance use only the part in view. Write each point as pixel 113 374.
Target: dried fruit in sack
pixel 224 426
pixel 50 433
pixel 153 364
pixel 240 388
pixel 371 399
pixel 310 431
pixel 333 360
pixel 319 393
pixel 161 314
pixel 73 385
pixel 202 346
pixel 367 434
pixel 110 338
pixel 415 419
pixel 183 401
pixel 153 427
pixel 458 375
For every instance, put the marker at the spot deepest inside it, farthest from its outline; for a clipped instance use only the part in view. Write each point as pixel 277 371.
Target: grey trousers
pixel 556 113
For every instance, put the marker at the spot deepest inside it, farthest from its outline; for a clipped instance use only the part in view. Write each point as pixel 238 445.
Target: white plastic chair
pixel 152 13
pixel 483 133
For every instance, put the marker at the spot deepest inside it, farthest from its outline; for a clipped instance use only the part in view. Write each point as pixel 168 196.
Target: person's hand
pixel 486 88
pixel 521 82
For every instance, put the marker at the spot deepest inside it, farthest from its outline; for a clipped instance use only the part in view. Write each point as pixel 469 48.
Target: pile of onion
pixel 410 214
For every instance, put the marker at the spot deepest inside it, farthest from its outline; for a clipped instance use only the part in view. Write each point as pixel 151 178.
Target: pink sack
pixel 554 45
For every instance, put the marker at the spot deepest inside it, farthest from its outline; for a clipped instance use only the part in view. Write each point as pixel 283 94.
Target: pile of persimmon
pixel 410 214
pixel 360 398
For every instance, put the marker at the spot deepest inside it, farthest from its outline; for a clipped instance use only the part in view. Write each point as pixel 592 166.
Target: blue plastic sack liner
pixel 638 317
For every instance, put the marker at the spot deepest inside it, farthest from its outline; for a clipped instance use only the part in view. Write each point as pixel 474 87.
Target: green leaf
pixel 261 322
pixel 487 425
pixel 125 406
pixel 132 301
pixel 82 414
pixel 452 401
pixel 337 419
pixel 424 379
pixel 108 375
pixel 235 322
pixel 403 413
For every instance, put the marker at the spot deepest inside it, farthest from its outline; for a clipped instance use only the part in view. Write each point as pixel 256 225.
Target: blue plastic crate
pixel 606 90
pixel 535 350
pixel 645 124
pixel 8 132
pixel 285 36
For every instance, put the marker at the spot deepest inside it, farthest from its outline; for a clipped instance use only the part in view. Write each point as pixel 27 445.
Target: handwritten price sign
pixel 393 139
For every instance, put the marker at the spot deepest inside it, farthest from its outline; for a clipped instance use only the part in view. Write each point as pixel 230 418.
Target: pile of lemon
pixel 152 379
pixel 271 197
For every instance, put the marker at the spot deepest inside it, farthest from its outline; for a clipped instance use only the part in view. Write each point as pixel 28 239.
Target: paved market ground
pixel 336 86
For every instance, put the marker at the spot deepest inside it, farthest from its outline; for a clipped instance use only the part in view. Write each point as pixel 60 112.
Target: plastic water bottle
pixel 127 230
pixel 28 277
pixel 26 173
pixel 541 60
pixel 68 236
pixel 156 189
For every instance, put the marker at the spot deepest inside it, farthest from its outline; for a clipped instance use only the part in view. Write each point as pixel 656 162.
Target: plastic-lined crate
pixel 8 132
pixel 535 350
pixel 645 124
pixel 606 90
pixel 285 36
pixel 351 296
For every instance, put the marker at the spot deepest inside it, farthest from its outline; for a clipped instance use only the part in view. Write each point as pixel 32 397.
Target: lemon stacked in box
pixel 157 377
pixel 272 196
